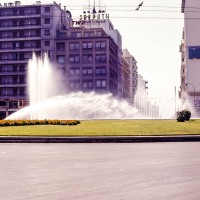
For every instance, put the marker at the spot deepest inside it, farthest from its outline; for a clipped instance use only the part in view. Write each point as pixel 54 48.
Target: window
pixel 87 84
pixel 101 83
pixel 27 56
pixel 29 44
pixel 29 11
pixel 74 72
pixel 6 68
pixel 74 46
pixel 47 9
pixel 16 45
pixel 30 33
pixel 61 35
pixel 87 71
pixel 60 59
pixel 74 59
pixel 87 58
pixel 100 58
pixel 88 34
pixel 13 104
pixel 99 33
pixel 60 46
pixel 47 43
pixel 47 20
pixel 75 84
pixel 46 32
pixel 16 56
pixel 101 45
pixel 87 45
pixel 113 74
pixel 7 45
pixel 28 22
pixel 7 91
pixel 100 71
pixel 76 34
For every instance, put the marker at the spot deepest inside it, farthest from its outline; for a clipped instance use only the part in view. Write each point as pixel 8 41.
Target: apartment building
pixel 130 75
pixel 24 29
pixel 190 55
pixel 89 60
pixel 90 54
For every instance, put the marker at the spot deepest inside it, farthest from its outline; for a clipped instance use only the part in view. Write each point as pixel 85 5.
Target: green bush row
pixel 183 115
pixel 38 122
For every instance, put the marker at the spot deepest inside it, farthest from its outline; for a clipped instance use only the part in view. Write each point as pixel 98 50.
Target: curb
pixel 99 139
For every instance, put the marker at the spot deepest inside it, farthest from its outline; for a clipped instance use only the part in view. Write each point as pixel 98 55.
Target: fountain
pixel 43 80
pixel 48 102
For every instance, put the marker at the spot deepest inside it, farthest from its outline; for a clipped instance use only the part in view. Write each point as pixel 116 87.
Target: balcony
pixel 3 50
pixel 13 96
pixel 3 73
pixel 20 38
pixel 14 61
pixel 28 26
pixel 12 84
pixel 19 16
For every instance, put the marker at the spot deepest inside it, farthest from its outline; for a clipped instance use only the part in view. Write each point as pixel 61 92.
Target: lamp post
pixel 194 91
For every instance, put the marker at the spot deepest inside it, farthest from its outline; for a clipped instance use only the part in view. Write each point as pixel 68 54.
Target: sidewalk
pixel 99 139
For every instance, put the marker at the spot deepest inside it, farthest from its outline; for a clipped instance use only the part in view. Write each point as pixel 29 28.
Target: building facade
pixel 129 75
pixel 99 19
pixel 24 29
pixel 190 54
pixel 88 58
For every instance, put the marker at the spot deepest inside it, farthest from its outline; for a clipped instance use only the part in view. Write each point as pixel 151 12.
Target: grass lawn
pixel 107 127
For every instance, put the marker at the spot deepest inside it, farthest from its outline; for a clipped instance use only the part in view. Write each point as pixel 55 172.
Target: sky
pixel 152 35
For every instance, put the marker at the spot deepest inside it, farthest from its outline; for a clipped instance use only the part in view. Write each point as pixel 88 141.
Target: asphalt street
pixel 100 171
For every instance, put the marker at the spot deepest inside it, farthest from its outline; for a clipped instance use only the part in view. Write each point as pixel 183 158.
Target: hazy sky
pixel 152 35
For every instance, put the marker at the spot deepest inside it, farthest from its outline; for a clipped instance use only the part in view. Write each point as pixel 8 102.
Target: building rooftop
pixel 18 3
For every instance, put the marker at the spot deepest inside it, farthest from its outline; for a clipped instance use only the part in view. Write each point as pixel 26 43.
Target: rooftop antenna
pixel 84 12
pixel 99 7
pixel 94 10
pixel 103 11
pixel 88 6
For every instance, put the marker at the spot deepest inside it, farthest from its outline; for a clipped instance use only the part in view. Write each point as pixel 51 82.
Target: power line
pixel 160 11
pixel 159 18
pixel 172 18
pixel 124 6
pixel 138 11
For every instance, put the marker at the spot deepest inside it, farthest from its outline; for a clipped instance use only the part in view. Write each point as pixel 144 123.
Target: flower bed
pixel 38 122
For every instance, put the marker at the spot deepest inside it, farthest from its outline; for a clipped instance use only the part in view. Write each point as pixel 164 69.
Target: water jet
pixel 47 100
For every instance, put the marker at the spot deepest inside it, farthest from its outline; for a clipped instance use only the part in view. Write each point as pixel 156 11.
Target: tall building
pixel 129 75
pixel 190 54
pixel 88 58
pixel 90 54
pixel 24 29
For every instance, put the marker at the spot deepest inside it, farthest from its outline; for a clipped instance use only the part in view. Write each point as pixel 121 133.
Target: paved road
pixel 133 171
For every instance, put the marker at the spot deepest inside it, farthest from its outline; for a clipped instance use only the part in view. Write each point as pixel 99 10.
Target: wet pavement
pixel 115 171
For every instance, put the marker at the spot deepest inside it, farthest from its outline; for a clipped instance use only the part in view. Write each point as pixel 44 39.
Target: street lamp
pixel 194 90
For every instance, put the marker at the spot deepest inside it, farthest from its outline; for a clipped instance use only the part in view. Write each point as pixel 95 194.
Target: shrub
pixel 180 116
pixel 187 114
pixel 183 115
pixel 63 123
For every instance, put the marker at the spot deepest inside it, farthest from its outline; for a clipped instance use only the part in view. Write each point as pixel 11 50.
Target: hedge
pixel 37 122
